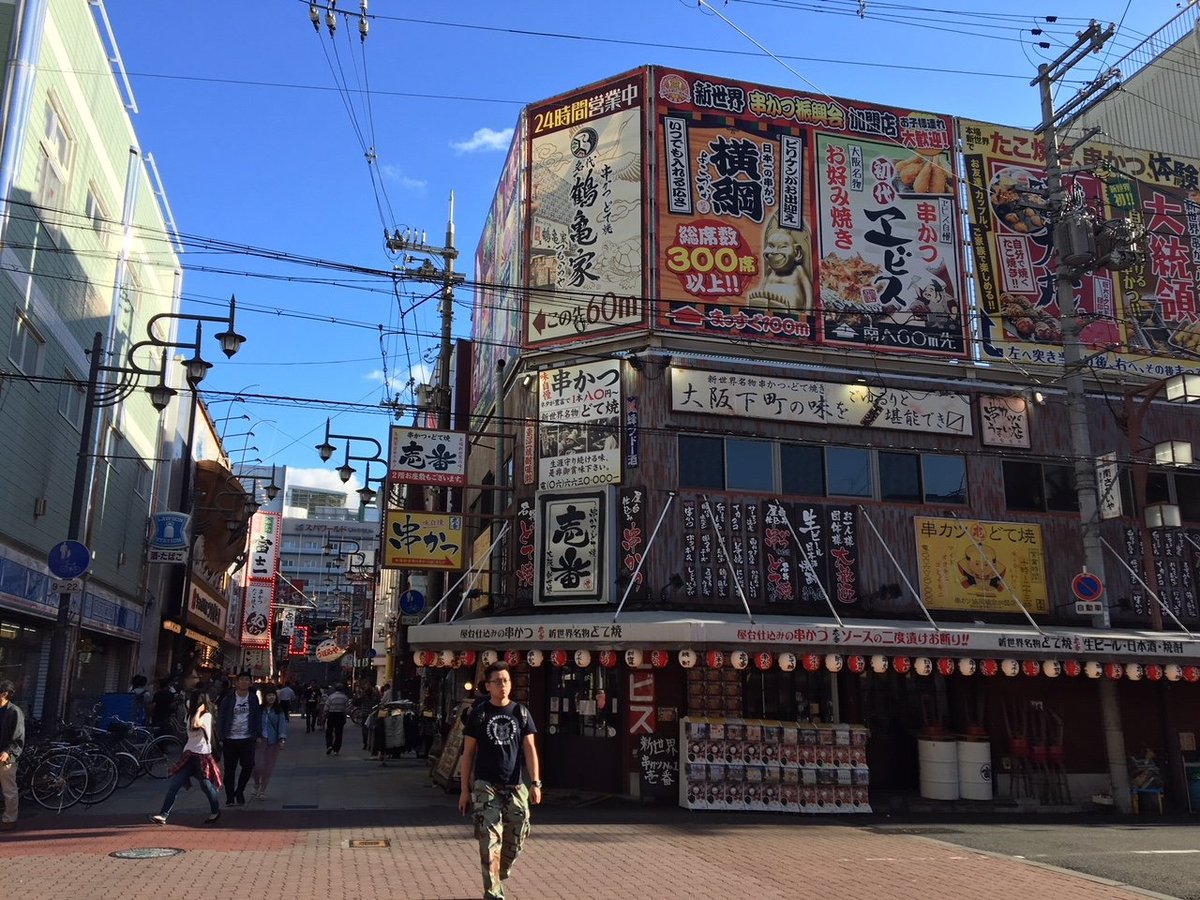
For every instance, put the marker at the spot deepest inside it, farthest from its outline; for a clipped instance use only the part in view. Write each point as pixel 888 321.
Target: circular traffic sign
pixel 412 602
pixel 1087 587
pixel 69 559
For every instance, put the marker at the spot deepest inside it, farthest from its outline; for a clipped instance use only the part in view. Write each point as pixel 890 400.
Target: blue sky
pixel 258 147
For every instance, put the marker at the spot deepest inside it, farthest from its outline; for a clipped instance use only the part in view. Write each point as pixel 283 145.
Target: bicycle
pixel 160 755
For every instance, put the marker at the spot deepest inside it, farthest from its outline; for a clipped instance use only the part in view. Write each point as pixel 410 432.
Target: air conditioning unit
pixel 40 506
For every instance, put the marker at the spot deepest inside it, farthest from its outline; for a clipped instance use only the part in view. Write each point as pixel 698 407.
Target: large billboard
pixel 805 220
pixel 975 566
pixel 499 278
pixel 585 233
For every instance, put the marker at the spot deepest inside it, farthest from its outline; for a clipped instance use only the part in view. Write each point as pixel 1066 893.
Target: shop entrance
pixel 582 730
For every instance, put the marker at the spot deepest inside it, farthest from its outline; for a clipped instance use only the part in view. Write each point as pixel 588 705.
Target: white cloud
pixel 394 383
pixel 396 174
pixel 327 479
pixel 485 139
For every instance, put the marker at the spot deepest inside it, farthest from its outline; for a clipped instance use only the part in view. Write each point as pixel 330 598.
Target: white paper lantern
pixel 1134 671
pixel 688 658
pixel 739 659
pixel 1010 667
pixel 834 662
pixel 446 658
pixel 1173 671
pixel 583 658
pixel 787 661
pixel 923 665
pixel 966 666
pixel 534 658
pixel 489 657
pixel 1051 668
pixel 1093 669
pixel 419 658
pixel 879 664
pixel 633 658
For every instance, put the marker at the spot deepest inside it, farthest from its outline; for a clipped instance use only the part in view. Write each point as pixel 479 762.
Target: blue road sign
pixel 412 602
pixel 69 559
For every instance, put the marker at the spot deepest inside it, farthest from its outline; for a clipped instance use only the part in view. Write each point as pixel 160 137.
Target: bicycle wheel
pixel 59 781
pixel 128 768
pixel 161 754
pixel 102 777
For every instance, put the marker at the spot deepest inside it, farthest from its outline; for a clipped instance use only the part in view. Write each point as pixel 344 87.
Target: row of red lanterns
pixel 812 662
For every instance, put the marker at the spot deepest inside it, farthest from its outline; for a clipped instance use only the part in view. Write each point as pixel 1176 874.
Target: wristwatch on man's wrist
pixel 536 784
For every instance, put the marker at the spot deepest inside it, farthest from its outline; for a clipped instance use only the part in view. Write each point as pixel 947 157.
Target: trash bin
pixel 120 706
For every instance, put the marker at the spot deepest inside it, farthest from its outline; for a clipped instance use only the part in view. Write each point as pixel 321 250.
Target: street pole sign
pixel 69 559
pixel 1088 589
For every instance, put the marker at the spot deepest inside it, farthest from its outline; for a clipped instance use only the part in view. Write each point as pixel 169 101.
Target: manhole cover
pixel 146 852
pixel 368 844
pixel 300 806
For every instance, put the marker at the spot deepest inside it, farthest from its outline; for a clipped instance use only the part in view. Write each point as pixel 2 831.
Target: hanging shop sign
pixel 795 401
pixel 574 547
pixel 206 606
pixel 418 540
pixel 264 546
pixel 1175 554
pixel 967 564
pixel 579 425
pixel 1003 421
pixel 329 651
pixel 168 538
pixel 585 213
pixel 256 614
pixel 298 641
pixel 427 456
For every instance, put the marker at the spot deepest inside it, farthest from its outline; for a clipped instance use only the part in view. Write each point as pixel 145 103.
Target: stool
pixel 1135 794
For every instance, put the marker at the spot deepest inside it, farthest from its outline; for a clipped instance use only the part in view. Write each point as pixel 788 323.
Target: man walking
pixel 239 722
pixel 312 701
pixel 286 697
pixel 12 742
pixel 337 705
pixel 498 738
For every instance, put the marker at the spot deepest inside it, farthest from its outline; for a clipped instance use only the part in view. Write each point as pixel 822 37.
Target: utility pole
pixel 1075 243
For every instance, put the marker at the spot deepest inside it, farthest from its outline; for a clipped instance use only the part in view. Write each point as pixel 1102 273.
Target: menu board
pixel 658 765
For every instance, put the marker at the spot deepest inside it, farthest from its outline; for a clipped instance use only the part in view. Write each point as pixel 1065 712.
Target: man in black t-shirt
pixel 162 706
pixel 497 739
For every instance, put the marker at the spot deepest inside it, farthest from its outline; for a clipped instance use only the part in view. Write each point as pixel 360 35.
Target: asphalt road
pixel 1161 857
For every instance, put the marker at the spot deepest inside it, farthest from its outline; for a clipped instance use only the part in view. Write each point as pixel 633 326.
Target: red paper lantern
pixel 608 659
pixel 468 657
pixel 1191 673
pixel 714 659
pixel 512 657
pixel 811 662
pixel 901 664
pixel 659 658
pixel 989 667
pixel 763 660
pixel 1072 668
pixel 1154 672
pixel 558 658
pixel 1031 667
pixel 1114 670
pixel 856 664
pixel 946 666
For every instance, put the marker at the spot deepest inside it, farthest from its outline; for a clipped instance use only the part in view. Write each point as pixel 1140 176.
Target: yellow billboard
pixel 420 540
pixel 966 564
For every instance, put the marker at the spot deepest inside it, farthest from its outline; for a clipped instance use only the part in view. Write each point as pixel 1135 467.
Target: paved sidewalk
pixel 295 845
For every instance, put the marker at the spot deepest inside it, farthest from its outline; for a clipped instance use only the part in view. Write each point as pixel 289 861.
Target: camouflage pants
pixel 501 826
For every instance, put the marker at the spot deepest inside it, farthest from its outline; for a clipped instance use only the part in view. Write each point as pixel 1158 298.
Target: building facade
pixel 773 457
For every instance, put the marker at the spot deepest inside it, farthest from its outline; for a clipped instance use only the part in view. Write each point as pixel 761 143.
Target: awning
pixel 597 631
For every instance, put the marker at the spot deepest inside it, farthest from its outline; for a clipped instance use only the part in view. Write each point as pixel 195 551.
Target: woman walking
pixel 196 762
pixel 270 741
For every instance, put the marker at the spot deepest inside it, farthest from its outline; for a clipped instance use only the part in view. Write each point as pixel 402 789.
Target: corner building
pixel 790 503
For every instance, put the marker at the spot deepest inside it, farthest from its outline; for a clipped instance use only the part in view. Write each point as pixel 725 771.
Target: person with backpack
pixel 498 738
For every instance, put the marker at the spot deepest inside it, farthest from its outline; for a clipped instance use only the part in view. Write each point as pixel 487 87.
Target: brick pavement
pixel 613 850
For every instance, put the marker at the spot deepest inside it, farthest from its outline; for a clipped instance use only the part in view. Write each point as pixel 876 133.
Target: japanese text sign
pixel 971 565
pixel 574 547
pixel 418 540
pixel 424 456
pixel 580 416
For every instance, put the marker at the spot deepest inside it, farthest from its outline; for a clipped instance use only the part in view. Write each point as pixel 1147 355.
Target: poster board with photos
pixel 766 765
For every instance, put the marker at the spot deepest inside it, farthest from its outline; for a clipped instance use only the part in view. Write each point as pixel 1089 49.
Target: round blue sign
pixel 69 559
pixel 412 602
pixel 1087 587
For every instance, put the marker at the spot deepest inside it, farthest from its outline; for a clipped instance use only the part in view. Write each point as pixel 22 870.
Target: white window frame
pixel 24 337
pixel 58 156
pixel 71 400
pixel 97 214
pixel 142 479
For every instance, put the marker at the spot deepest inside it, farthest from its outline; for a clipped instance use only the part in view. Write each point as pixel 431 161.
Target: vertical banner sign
pixel 585 213
pixel 298 643
pixel 843 553
pixel 264 546
pixel 262 567
pixel 641 716
pixel 1108 486
pixel 780 575
pixel 1014 250
pixel 632 536
pixel 633 457
pixel 499 280
pixel 573 558
pixel 256 615
pixel 579 411
pixel 980 566
pixel 687 514
pixel 529 453
pixel 424 456
pixel 526 525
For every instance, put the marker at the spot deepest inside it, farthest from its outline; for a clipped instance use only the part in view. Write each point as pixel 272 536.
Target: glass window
pixel 899 477
pixel 802 470
pixel 1158 488
pixel 583 702
pixel 701 462
pixel 70 400
pixel 142 486
pixel 25 348
pixel 848 472
pixel 1060 489
pixel 1023 486
pixel 945 478
pixel 749 465
pixel 1187 492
